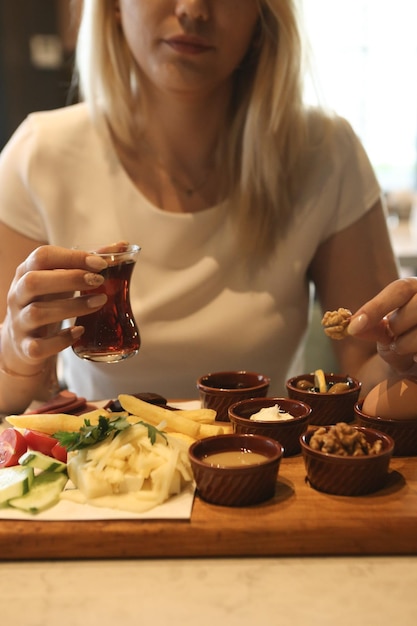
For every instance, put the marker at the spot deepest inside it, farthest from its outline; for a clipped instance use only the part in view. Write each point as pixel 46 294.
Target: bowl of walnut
pixel 332 397
pixel 345 459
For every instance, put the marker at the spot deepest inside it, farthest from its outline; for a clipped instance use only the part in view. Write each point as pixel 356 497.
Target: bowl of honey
pixel 235 469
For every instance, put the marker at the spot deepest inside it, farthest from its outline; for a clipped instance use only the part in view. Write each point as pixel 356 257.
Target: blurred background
pixel 37 39
pixel 364 63
pixel 365 59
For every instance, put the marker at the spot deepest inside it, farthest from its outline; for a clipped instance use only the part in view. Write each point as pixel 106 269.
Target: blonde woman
pixel 193 141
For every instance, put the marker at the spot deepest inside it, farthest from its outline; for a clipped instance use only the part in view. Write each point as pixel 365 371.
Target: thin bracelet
pixel 5 370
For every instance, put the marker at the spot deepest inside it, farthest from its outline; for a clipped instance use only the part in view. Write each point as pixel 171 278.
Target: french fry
pixel 48 423
pixel 156 415
pixel 185 439
pixel 202 416
pixel 209 430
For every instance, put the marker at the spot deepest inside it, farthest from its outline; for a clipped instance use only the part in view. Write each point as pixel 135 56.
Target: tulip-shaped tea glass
pixel 111 334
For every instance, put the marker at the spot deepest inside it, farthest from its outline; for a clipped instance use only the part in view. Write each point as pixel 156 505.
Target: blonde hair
pixel 267 131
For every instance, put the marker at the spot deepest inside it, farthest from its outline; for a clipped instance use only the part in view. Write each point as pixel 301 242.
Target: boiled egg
pixel 393 398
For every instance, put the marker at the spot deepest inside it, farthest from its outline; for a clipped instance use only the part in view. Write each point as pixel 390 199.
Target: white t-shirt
pixel 198 308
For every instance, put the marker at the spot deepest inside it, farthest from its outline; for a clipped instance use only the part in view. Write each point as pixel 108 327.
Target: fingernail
pixel 95 262
pixel 93 280
pixel 387 327
pixel 30 348
pixel 77 331
pixel 358 324
pixel 97 300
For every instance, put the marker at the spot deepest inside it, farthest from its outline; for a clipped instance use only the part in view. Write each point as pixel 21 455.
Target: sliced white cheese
pixel 129 472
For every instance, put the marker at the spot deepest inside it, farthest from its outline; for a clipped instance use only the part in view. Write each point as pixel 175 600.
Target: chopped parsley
pixel 89 435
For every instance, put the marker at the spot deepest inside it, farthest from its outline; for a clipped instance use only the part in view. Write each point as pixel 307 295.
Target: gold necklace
pixel 189 191
pixel 186 189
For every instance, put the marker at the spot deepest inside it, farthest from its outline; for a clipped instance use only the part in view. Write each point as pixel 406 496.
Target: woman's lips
pixel 188 45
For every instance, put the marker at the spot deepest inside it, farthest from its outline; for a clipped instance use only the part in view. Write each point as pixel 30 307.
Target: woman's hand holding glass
pixel 41 297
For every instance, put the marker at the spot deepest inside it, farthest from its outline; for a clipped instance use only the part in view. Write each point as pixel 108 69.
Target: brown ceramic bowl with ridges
pixel 348 475
pixel 404 432
pixel 327 408
pixel 221 389
pixel 287 431
pixel 242 485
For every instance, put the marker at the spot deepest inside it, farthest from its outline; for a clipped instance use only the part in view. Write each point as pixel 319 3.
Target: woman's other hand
pixel 390 319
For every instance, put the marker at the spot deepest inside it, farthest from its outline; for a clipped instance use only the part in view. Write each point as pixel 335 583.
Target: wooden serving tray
pixel 297 521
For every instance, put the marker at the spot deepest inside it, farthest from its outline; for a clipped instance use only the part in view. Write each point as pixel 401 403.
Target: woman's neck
pixel 185 131
pixel 174 162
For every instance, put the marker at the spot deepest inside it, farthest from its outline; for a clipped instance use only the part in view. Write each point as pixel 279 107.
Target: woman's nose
pixel 192 9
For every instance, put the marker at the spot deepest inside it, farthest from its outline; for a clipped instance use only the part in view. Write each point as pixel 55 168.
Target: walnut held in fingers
pixel 335 323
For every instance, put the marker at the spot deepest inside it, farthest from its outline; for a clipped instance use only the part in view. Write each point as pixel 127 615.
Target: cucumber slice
pixel 44 493
pixel 38 460
pixel 14 482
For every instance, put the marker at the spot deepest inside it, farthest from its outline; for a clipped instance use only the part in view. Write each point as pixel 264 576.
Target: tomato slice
pixel 59 452
pixel 39 441
pixel 12 446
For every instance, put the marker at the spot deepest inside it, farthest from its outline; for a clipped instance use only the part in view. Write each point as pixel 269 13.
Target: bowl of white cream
pixel 282 419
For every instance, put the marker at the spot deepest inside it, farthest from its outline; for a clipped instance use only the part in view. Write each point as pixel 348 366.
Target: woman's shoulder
pixel 328 130
pixel 330 148
pixel 49 138
pixel 57 125
pixel 332 157
pixel 75 112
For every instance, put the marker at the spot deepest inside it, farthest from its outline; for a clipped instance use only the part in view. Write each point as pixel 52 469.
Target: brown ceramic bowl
pixel 240 485
pixel 348 475
pixel 221 389
pixel 404 432
pixel 286 431
pixel 327 408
